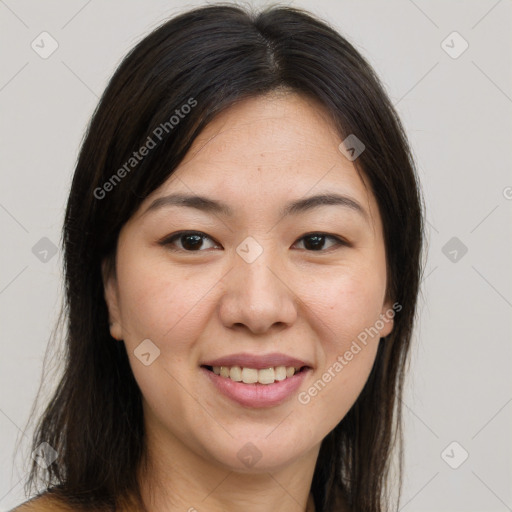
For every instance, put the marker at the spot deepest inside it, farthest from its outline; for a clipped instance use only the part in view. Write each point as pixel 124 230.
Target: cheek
pixel 161 303
pixel 167 306
pixel 347 304
pixel 345 310
pixel 337 386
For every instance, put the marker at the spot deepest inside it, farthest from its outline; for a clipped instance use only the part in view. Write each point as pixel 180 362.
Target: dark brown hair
pixel 209 58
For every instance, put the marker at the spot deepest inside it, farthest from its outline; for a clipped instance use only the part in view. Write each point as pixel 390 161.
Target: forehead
pixel 260 157
pixel 278 141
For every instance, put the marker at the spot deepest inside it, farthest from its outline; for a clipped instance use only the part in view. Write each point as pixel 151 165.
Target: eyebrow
pixel 209 205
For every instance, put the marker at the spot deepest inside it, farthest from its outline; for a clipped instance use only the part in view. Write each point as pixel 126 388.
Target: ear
pixel 111 295
pixel 387 315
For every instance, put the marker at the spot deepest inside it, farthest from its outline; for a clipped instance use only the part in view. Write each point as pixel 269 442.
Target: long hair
pixel 209 58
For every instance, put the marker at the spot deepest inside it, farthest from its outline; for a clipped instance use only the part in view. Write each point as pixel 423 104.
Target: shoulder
pixel 42 503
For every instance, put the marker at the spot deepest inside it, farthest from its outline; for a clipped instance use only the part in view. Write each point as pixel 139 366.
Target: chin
pixel 261 452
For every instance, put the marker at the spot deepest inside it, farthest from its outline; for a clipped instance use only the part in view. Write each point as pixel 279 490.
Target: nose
pixel 258 296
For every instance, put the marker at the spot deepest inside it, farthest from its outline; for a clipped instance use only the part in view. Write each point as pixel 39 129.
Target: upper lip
pixel 258 362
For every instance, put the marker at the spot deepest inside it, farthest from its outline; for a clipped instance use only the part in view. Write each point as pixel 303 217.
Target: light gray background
pixel 457 112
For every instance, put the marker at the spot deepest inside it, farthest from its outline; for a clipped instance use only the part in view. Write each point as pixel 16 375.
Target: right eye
pixel 190 241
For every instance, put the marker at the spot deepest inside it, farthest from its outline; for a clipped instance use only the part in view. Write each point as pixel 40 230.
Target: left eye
pixel 192 241
pixel 317 241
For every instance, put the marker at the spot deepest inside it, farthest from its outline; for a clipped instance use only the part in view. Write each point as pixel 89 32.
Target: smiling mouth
pixel 256 376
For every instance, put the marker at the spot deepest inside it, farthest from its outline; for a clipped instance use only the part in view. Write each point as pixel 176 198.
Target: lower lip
pixel 257 395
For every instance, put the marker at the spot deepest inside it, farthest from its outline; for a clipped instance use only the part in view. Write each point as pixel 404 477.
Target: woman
pixel 242 250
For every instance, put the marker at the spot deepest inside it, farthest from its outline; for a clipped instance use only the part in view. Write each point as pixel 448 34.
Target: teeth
pixel 235 373
pixel 266 376
pixel 280 372
pixel 252 375
pixel 249 376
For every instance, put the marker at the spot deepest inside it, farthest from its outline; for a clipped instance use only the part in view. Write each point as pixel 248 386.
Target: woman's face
pixel 261 285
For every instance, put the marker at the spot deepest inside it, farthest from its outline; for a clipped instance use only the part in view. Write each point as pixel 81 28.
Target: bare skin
pixel 194 305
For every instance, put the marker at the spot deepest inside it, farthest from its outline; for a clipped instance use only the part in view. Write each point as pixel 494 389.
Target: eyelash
pixel 169 240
